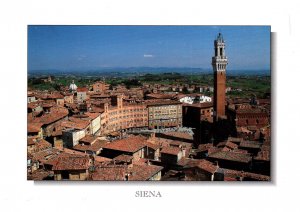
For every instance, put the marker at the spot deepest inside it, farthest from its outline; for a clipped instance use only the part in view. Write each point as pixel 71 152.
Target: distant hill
pixel 110 71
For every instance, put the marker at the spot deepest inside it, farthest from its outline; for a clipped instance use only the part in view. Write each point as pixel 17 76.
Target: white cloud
pixel 148 55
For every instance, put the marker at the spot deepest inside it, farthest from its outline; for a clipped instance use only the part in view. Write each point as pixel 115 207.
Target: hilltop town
pixel 104 131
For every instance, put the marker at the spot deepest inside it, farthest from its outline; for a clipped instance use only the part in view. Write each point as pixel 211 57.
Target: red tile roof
pixel 159 96
pixel 100 159
pixel 39 174
pixel 202 164
pixel 92 115
pixel 183 135
pixel 109 172
pixel 88 139
pixel 55 96
pixel 32 105
pixel 72 163
pixel 46 155
pixel 51 117
pixel 161 102
pixel 264 153
pixel 143 172
pixel 235 140
pixel 82 90
pixel 34 127
pixel 39 143
pixel 131 144
pixel 227 144
pixel 96 146
pixel 250 144
pixel 170 150
pixel 124 158
pixel 75 123
pixel 204 147
pixel 152 146
pixel 231 156
pixel 229 173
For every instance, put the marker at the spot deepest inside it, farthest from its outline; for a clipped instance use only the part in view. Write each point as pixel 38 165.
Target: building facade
pixel 164 114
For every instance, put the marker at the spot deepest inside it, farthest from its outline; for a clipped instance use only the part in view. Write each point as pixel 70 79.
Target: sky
pixel 92 47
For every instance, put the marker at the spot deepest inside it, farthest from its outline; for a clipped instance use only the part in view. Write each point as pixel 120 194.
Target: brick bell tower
pixel 219 63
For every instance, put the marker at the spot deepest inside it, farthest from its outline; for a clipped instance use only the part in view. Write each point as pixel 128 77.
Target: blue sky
pixel 92 47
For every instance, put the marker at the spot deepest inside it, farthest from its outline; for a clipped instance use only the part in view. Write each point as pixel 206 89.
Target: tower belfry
pixel 219 63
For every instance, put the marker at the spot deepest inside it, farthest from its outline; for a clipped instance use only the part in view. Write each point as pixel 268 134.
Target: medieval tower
pixel 219 63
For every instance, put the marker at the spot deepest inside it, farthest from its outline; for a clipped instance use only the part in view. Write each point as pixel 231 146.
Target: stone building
pixel 120 116
pixel 72 168
pixel 171 155
pixel 193 114
pixel 100 87
pixel 82 94
pixel 163 114
pixel 134 146
pixel 245 115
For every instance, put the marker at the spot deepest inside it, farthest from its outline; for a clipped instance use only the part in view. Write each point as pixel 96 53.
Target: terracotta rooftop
pixel 180 143
pixel 39 174
pixel 161 102
pixel 96 146
pixel 124 158
pixel 170 150
pixel 97 109
pixel 88 139
pixel 32 105
pixel 227 144
pixel 92 115
pixel 55 96
pixel 240 151
pixel 75 123
pixel 231 156
pixel 131 144
pixel 234 139
pixel 229 173
pixel 40 144
pixel 204 147
pixel 67 152
pixel 46 155
pixel 160 96
pixel 30 141
pixel 152 146
pixel 51 117
pixel 82 90
pixel 143 172
pixel 250 144
pixel 183 135
pixel 72 163
pixel 100 159
pixel 109 172
pixel 34 127
pixel 264 153
pixel 202 164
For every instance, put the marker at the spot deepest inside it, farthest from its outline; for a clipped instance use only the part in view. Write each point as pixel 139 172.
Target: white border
pixel 17 194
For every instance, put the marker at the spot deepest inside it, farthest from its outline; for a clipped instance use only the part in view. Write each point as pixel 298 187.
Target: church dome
pixel 73 87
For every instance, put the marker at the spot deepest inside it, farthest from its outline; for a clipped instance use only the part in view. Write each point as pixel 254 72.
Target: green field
pixel 249 85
